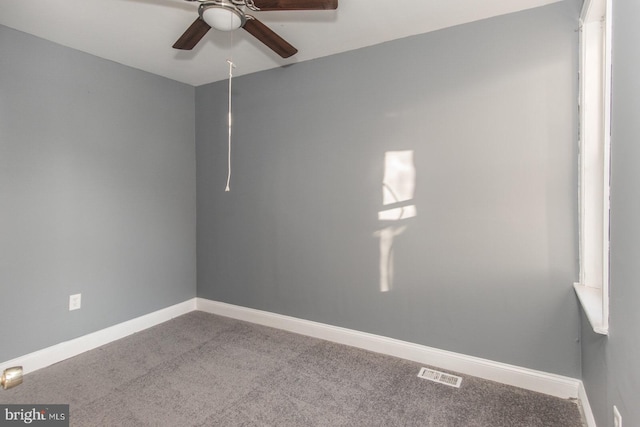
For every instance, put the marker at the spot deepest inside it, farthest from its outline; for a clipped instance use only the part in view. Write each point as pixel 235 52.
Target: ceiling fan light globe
pixel 223 18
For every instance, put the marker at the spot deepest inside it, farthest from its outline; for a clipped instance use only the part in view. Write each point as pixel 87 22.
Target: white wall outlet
pixel 617 418
pixel 75 301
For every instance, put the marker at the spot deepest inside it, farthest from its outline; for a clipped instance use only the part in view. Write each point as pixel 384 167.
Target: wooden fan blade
pixel 296 4
pixel 273 41
pixel 192 36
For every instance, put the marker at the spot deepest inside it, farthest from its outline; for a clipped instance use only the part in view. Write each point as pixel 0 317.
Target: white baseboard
pixel 59 352
pixel 543 382
pixel 586 407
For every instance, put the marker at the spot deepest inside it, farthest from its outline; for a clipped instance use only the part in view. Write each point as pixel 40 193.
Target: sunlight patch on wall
pixel 398 185
pixel 398 188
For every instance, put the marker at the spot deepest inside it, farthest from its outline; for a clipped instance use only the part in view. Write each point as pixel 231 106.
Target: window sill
pixel 591 301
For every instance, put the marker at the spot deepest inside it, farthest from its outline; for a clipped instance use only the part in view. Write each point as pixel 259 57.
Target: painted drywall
pixel 97 193
pixel 610 364
pixel 485 267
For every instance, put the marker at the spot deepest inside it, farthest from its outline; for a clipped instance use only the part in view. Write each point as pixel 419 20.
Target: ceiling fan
pixel 229 15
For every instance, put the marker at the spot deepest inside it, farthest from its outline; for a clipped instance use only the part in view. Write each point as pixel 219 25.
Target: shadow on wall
pixel 398 187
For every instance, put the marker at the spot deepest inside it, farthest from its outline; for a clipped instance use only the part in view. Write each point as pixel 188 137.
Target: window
pixel 594 104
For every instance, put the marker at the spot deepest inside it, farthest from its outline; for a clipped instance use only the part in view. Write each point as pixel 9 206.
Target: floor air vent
pixel 440 377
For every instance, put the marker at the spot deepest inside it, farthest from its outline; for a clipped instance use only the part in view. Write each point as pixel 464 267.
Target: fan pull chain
pixel 231 67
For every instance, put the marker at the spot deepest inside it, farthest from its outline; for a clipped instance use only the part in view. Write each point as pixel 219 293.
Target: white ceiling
pixel 140 33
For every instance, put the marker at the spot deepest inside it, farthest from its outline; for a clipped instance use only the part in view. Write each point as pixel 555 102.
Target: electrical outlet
pixel 75 301
pixel 617 418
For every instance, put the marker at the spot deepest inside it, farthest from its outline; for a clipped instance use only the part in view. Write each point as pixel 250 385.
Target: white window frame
pixel 595 146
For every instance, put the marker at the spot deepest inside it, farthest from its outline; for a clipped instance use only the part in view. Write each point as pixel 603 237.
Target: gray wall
pixel 97 193
pixel 487 265
pixel 610 367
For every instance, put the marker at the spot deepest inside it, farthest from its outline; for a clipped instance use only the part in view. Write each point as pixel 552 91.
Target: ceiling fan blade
pixel 296 4
pixel 193 35
pixel 269 38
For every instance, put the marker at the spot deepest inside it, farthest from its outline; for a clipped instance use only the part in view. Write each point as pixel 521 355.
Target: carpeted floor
pixel 205 370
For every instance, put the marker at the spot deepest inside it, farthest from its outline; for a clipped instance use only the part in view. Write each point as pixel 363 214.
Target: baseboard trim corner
pixel 542 382
pixel 48 356
pixel 587 413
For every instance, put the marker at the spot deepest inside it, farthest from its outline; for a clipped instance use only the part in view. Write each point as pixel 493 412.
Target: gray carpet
pixel 205 370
